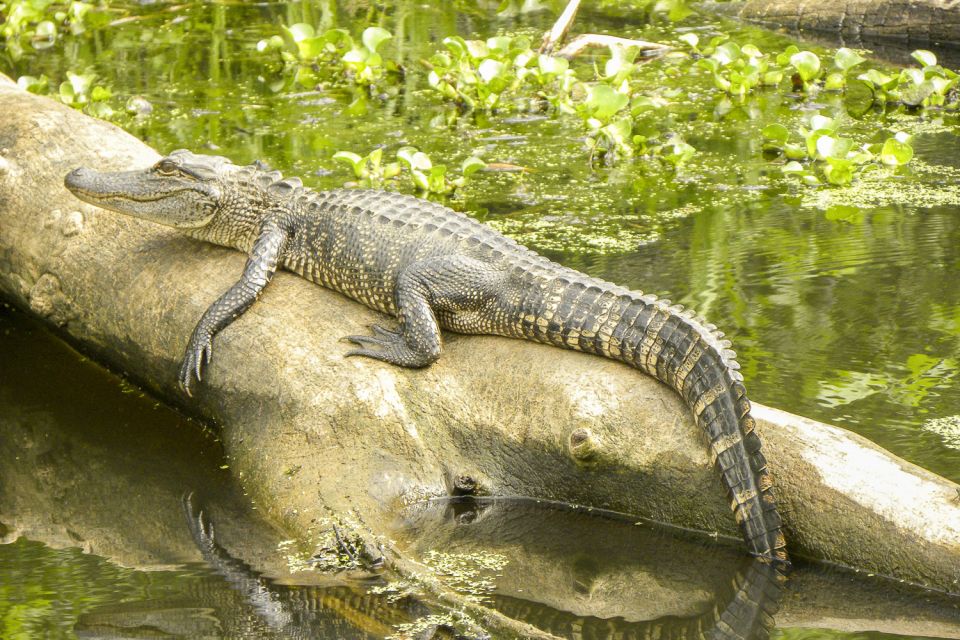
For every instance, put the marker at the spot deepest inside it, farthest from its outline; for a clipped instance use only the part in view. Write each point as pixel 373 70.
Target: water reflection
pixel 575 573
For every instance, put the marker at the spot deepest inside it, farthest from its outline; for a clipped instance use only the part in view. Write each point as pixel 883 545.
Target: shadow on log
pixel 313 435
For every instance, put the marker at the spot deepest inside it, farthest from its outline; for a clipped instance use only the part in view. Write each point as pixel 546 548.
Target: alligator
pixel 434 268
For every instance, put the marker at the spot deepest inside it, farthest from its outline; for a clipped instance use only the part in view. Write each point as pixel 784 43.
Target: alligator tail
pixel 682 350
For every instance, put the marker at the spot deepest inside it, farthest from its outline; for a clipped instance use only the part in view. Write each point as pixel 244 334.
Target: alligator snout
pixel 78 178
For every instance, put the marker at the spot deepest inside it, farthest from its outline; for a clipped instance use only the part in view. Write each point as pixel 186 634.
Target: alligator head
pixel 182 190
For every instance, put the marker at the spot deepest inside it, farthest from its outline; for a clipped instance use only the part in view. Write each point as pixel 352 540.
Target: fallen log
pixel 906 22
pixel 311 433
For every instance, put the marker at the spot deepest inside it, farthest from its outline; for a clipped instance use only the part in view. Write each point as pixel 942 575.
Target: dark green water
pixel 842 303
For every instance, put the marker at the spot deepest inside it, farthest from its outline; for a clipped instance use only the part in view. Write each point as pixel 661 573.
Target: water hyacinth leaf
pixel 876 78
pixel 896 151
pixel 792 167
pixel 776 132
pixel 414 158
pixel 678 153
pixel 499 44
pixel 310 48
pixel 45 30
pixel 373 37
pixel 727 53
pixel 807 64
pixel 924 57
pixel 456 45
pixel 691 39
pixel 477 49
pixel 914 94
pixel 858 98
pixel 32 84
pixel 795 151
pixel 835 82
pixel 471 165
pixel 826 146
pixel 783 58
pixel 490 69
pixel 354 160
pixel 603 101
pixel 818 121
pixel 772 78
pixel 846 59
pixel 99 94
pixel 80 82
pixel 751 51
pixel 839 171
pixel 299 31
pixel 552 65
pixel 420 180
pixel 436 181
pixel 916 76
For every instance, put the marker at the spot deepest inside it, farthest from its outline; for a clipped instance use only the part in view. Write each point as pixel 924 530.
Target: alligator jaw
pixel 168 200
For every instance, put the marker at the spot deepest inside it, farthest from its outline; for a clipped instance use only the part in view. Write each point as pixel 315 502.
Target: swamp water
pixel 841 303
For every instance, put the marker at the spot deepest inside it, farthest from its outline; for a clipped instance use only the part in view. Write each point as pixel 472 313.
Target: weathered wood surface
pixel 312 433
pixel 908 22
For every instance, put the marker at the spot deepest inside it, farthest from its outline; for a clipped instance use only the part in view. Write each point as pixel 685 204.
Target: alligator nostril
pixel 72 179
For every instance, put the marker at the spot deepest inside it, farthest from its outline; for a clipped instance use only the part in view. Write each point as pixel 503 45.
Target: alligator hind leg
pixel 443 287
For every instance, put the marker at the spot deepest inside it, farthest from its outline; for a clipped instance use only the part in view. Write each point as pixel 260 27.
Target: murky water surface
pixel 842 303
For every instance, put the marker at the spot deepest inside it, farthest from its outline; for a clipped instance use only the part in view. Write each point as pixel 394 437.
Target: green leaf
pixel 807 65
pixel 471 165
pixel 32 84
pixel 776 132
pixel 552 65
pixel 896 151
pixel 477 49
pixel 690 39
pixel 915 94
pixel 416 160
pixel 846 59
pixel 299 31
pixel 100 94
pixel 727 53
pixel 792 167
pixel 499 44
pixel 818 121
pixel 876 78
pixel 436 180
pixel 456 45
pixel 46 30
pixel 783 58
pixel 420 180
pixel 603 101
pixel 354 160
pixel 835 82
pixel 310 48
pixel 838 171
pixel 490 69
pixel 924 57
pixel 373 37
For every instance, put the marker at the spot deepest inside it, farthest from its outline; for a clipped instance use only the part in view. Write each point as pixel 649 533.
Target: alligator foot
pixel 390 346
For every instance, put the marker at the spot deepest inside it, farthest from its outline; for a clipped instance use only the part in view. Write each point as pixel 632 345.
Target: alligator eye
pixel 167 167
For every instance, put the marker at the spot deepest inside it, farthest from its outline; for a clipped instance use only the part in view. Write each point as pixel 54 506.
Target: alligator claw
pixel 199 352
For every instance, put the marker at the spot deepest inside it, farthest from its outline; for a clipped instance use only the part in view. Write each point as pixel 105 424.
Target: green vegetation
pixel 307 53
pixel 830 156
pixel 426 176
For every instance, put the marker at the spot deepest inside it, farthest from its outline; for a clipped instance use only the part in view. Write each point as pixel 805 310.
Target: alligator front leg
pixel 453 288
pixel 260 267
